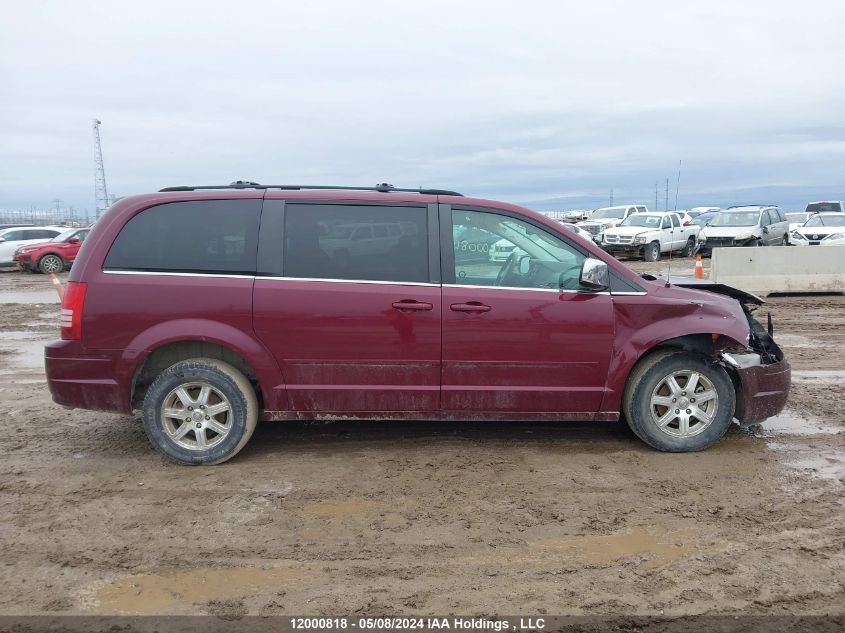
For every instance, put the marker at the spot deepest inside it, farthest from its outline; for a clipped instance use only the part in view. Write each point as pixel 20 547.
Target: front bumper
pixel 762 391
pixel 24 262
pixel 626 249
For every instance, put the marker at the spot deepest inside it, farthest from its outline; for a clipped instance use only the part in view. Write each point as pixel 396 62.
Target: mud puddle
pixel 657 547
pixel 819 375
pixel 33 297
pixel 21 350
pixel 824 463
pixel 175 591
pixel 791 423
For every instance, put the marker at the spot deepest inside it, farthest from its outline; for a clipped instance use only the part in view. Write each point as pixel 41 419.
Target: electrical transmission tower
pixel 101 193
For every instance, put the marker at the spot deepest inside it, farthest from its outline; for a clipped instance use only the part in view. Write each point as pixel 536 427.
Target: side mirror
pixel 524 264
pixel 594 274
pixel 73 240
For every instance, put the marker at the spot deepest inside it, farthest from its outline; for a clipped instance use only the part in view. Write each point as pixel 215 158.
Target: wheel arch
pixel 703 344
pixel 45 254
pixel 167 343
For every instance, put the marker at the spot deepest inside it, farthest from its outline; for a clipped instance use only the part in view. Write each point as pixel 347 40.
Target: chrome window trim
pixel 351 281
pixel 555 290
pixel 161 273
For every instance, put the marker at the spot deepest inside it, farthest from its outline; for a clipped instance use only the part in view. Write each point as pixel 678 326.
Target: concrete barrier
pixel 770 269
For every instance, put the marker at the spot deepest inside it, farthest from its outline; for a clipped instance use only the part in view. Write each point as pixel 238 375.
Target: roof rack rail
pixel 247 184
pixel 739 206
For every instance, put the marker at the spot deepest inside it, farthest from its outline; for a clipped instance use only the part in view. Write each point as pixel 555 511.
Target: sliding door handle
pixel 470 306
pixel 410 304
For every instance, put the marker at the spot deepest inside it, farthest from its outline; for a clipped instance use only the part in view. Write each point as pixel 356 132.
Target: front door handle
pixel 411 304
pixel 470 306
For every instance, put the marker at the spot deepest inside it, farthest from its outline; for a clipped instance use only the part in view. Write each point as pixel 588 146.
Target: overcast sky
pixel 523 101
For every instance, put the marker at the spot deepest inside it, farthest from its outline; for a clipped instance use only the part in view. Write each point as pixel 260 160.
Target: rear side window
pixel 207 236
pixel 336 241
pixel 39 234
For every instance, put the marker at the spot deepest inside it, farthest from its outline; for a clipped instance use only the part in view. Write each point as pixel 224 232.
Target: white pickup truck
pixel 650 234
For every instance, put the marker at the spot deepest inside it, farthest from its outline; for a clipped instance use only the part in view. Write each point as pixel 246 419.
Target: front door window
pixel 498 250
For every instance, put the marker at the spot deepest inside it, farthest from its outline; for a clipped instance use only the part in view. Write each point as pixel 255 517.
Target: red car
pixel 211 308
pixel 53 256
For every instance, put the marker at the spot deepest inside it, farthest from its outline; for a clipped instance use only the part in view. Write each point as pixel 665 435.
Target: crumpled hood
pixel 726 231
pixel 629 230
pixel 598 222
pixel 810 231
pixel 706 303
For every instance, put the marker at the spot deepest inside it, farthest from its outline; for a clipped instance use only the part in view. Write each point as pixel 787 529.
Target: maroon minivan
pixel 210 308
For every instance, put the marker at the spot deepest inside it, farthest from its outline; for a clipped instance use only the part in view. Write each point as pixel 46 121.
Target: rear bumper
pixel 86 380
pixel 763 391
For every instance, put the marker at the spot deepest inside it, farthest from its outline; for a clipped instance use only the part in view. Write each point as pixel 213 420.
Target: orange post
pixel 59 287
pixel 699 268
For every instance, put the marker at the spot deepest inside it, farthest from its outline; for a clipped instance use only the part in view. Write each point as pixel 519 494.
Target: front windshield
pixel 797 217
pixel 607 214
pixel 823 207
pixel 736 218
pixel 61 237
pixel 650 221
pixel 826 220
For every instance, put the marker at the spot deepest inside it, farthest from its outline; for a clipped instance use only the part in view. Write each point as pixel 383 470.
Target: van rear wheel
pixel 679 402
pixel 200 411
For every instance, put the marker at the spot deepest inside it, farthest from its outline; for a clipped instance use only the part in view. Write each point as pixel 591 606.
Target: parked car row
pixel 46 249
pixel 634 231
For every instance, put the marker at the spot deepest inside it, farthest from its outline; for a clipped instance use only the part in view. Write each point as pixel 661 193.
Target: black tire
pixel 51 264
pixel 785 241
pixel 689 248
pixel 651 252
pixel 241 417
pixel 641 413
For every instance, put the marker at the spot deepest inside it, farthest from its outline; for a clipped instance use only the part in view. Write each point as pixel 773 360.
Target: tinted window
pixel 213 236
pixel 675 220
pixel 13 235
pixel 488 248
pixel 335 241
pixel 40 234
pixel 823 207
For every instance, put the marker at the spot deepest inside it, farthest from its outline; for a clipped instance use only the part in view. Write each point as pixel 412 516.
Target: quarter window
pixel 336 241
pixel 497 250
pixel 208 236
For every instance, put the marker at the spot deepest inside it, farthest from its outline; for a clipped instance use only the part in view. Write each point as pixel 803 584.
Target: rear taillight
pixel 71 319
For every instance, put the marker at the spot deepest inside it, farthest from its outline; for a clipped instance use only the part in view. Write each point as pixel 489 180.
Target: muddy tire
pixel 785 241
pixel 651 252
pixel 51 264
pixel 689 248
pixel 200 412
pixel 679 402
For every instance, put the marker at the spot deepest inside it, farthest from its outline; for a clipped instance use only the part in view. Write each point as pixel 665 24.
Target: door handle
pixel 470 306
pixel 411 304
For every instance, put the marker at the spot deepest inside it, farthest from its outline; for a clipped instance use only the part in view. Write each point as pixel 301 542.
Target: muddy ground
pixel 355 518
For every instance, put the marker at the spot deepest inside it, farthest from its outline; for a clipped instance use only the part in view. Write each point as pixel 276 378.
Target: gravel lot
pixel 388 517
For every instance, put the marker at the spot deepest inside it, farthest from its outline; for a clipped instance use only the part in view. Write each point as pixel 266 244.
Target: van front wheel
pixel 200 411
pixel 679 402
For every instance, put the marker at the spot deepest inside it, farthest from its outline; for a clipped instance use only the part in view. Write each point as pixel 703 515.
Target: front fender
pixel 645 322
